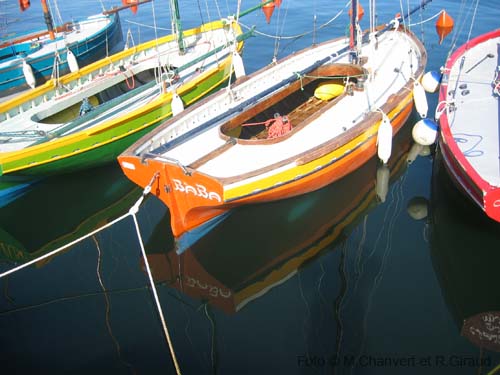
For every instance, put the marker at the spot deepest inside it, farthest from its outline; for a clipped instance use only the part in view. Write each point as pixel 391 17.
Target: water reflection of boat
pixel 464 248
pixel 267 244
pixel 61 209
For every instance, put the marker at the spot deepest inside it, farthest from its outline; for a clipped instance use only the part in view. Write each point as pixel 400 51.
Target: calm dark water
pixel 336 281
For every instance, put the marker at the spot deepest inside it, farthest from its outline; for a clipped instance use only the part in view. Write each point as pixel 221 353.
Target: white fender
pixel 384 139
pixel 425 132
pixel 420 99
pixel 72 61
pixel 28 75
pixel 239 68
pixel 177 104
pixel 382 183
pixel 430 81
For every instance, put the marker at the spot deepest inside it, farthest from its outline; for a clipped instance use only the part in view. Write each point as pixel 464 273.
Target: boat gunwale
pixel 66 28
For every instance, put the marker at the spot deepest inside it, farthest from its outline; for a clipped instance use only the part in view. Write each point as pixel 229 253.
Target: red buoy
pixel 268 10
pixel 361 12
pixel 277 3
pixel 133 8
pixel 24 4
pixel 444 25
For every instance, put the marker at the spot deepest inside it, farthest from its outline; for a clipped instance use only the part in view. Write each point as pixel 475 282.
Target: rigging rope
pixel 58 13
pixel 473 20
pixel 297 36
pixel 458 30
pixel 146 25
pixel 426 20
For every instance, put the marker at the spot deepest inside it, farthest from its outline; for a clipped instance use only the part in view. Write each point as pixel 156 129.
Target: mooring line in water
pixel 153 289
pixel 64 247
pixel 132 212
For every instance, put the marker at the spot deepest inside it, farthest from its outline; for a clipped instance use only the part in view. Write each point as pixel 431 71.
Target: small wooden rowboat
pixel 28 60
pixel 270 138
pixel 469 120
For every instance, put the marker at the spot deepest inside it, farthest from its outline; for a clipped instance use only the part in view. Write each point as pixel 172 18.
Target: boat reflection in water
pixel 465 249
pixel 260 246
pixel 62 209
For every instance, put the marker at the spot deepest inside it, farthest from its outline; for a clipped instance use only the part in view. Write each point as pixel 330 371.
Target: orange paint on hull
pixel 195 198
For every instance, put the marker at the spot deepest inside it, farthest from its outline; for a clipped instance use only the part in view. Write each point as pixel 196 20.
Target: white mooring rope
pixel 132 212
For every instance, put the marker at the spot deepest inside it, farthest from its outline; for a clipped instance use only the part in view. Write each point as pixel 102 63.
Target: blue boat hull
pixel 86 51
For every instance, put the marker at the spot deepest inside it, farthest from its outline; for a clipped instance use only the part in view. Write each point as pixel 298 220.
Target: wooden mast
pixel 352 32
pixel 176 24
pixel 48 19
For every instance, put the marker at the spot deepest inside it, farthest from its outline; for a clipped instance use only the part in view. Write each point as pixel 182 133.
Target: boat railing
pixel 167 159
pixel 33 102
pixel 189 127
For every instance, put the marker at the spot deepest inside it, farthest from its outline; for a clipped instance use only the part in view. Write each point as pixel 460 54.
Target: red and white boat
pixel 469 118
pixel 291 128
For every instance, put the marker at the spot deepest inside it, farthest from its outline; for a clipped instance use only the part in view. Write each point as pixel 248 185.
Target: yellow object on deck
pixel 328 90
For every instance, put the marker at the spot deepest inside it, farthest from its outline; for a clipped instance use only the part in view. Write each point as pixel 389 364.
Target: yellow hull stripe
pixel 305 169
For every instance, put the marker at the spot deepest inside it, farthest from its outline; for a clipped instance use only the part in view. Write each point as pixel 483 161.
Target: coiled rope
pixel 132 212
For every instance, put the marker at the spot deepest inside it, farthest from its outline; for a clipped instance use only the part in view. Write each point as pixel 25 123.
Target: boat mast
pixel 176 24
pixel 48 19
pixel 352 32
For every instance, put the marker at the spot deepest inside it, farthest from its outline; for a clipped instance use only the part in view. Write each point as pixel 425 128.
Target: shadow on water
pixel 94 294
pixel 465 254
pixel 322 283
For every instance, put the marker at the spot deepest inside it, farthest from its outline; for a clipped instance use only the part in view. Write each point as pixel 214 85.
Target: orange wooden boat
pixel 291 128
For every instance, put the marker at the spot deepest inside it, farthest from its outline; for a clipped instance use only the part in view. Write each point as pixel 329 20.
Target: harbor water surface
pixel 349 279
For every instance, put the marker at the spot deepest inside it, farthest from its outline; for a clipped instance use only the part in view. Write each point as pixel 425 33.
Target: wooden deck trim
pixel 329 70
pixel 321 150
pixel 213 154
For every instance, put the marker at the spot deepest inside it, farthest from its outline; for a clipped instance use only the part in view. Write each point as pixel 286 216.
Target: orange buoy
pixel 277 3
pixel 444 25
pixel 361 12
pixel 24 4
pixel 268 10
pixel 133 8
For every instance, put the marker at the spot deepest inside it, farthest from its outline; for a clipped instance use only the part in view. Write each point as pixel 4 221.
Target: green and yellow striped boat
pixel 89 117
